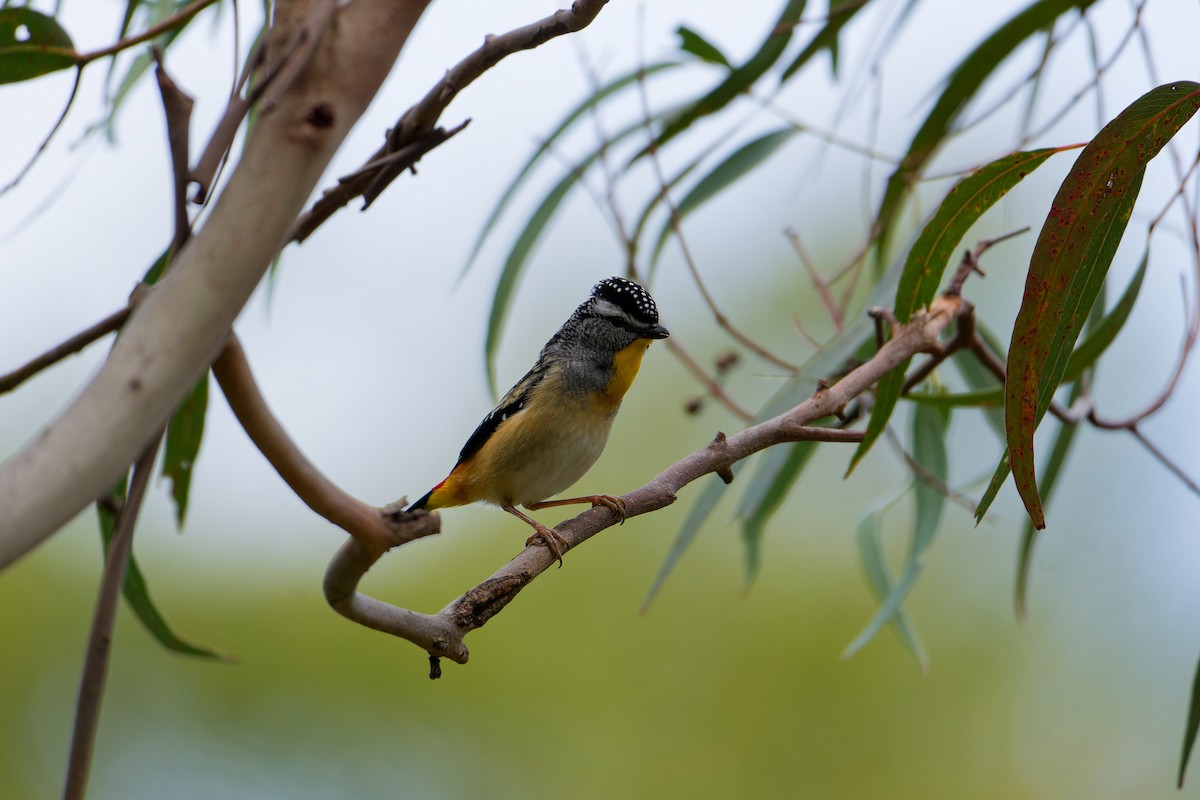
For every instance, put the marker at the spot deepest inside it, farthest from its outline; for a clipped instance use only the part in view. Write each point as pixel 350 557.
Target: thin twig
pixel 677 226
pixel 925 476
pixel 1091 85
pixel 95 665
pixel 714 389
pixel 1163 459
pixel 72 345
pixel 37 154
pixel 819 283
pixel 421 118
pixel 178 18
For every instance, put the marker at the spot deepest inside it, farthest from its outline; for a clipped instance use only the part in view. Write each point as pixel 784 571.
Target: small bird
pixel 552 426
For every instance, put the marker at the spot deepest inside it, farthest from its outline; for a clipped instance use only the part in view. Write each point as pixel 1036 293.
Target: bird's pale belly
pixel 539 461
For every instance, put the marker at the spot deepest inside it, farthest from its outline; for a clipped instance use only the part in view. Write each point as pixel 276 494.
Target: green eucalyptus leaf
pixel 777 473
pixel 1071 260
pixel 185 432
pixel 868 534
pixel 694 44
pixel 721 177
pixel 137 592
pixel 32 44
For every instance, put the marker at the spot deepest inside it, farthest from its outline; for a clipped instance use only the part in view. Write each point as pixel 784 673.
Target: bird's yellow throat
pixel 625 368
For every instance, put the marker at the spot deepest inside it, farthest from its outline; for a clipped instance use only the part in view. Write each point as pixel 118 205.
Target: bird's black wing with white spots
pixel 512 403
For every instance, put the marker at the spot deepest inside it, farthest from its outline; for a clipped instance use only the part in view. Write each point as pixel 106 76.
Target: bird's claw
pixel 615 504
pixel 551 539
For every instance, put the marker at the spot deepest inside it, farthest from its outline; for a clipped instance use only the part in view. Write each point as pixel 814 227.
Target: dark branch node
pixel 320 116
pixel 488 599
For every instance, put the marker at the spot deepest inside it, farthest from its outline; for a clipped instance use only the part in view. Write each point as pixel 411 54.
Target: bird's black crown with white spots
pixel 621 297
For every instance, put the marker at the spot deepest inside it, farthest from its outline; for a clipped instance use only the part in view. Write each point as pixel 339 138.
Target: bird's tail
pixel 422 503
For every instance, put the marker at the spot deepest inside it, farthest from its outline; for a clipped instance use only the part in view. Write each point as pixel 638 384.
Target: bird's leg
pixel 548 536
pixel 607 500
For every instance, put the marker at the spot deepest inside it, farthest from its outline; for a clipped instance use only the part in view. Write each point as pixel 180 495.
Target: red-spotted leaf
pixel 32 45
pixel 962 207
pixel 1071 259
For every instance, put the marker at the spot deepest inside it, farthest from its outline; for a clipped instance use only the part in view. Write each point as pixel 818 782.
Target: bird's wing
pixel 513 403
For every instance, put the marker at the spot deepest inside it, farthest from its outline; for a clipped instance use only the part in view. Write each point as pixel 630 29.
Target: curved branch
pixel 442 634
pixel 71 462
pixel 375 530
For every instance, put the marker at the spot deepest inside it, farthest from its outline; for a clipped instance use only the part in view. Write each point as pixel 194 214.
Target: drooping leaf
pixel 573 116
pixel 721 177
pixel 185 431
pixel 1060 444
pixel 1071 259
pixel 32 44
pixel 927 259
pixel 738 81
pixel 993 488
pixel 871 554
pixel 660 197
pixel 1193 724
pixel 1097 341
pixel 929 450
pixel 961 87
pixel 777 473
pixel 695 44
pixel 137 593
pixel 158 268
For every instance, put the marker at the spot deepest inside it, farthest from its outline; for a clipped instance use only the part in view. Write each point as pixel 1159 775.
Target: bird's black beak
pixel 656 332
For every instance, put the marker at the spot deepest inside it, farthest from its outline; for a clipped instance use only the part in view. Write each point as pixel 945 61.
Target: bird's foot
pixel 616 504
pixel 551 539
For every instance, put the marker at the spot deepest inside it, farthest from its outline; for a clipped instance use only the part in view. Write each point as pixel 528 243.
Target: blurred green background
pixel 369 352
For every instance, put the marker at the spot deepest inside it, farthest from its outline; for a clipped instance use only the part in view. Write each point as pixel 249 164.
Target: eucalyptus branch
pixel 442 634
pixel 376 530
pixel 175 20
pixel 119 412
pixel 95 666
pixel 57 353
pixel 379 171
